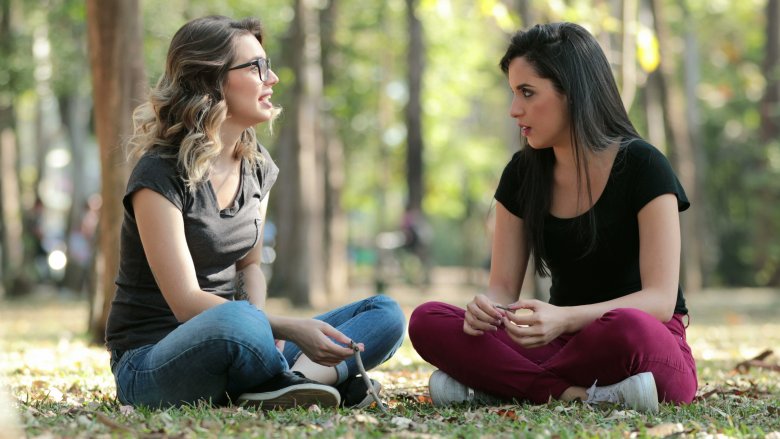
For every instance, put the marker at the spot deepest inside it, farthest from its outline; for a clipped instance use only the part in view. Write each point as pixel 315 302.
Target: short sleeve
pixel 507 192
pixel 158 174
pixel 655 177
pixel 267 172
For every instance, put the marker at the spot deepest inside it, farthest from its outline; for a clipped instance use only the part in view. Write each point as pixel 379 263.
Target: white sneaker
pixel 445 390
pixel 637 392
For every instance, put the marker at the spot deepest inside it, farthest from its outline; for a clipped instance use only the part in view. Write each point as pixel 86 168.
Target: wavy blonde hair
pixel 186 108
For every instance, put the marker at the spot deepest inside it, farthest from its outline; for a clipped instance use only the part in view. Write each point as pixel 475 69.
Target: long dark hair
pixel 569 56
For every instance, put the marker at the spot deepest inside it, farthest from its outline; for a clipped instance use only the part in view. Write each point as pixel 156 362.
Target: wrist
pixel 281 326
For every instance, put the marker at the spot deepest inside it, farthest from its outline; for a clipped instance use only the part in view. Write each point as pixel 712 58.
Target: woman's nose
pixel 272 78
pixel 516 110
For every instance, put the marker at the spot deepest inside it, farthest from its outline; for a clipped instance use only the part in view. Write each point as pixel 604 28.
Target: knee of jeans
pixel 240 320
pixel 629 325
pixel 394 320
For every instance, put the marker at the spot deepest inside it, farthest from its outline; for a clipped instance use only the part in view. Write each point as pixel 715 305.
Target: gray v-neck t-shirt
pixel 216 238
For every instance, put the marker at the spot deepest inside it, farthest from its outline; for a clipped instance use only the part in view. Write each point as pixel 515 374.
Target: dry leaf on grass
pixel 757 362
pixel 664 430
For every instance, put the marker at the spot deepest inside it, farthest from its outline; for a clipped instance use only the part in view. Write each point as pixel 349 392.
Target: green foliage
pixel 468 135
pixel 736 176
pixel 16 69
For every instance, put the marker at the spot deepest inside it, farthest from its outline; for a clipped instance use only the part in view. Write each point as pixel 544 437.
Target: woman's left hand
pixel 545 323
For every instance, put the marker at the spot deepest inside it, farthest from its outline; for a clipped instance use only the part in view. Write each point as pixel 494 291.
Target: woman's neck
pixel 229 136
pixel 594 160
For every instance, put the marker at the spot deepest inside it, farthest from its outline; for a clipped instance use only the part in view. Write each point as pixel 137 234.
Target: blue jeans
pixel 226 350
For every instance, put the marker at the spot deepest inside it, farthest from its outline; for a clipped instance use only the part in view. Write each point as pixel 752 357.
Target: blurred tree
pixel 118 82
pixel 413 110
pixel 298 272
pixel 15 79
pixel 768 222
pixel 335 227
pixel 683 154
pixel 71 87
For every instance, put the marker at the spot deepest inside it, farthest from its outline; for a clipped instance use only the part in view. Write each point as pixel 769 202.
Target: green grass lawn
pixel 64 388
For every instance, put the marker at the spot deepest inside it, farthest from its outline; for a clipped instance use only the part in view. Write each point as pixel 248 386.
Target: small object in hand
pixel 504 307
pixel 366 379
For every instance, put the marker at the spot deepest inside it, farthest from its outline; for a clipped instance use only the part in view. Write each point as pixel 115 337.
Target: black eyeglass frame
pixel 263 67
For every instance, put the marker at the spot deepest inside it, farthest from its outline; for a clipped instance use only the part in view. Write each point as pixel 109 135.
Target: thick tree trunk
pixel 11 245
pixel 10 207
pixel 299 271
pixel 766 241
pixel 335 239
pixel 118 83
pixel 684 155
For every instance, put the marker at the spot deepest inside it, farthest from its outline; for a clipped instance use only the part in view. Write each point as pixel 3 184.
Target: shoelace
pixel 603 394
pixel 366 379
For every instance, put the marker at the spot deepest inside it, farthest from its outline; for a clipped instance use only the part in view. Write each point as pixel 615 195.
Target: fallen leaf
pixel 401 422
pixel 365 419
pixel 509 414
pixel 424 399
pixel 619 414
pixel 664 430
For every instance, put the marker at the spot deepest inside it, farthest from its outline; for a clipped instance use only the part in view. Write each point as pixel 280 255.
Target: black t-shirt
pixel 216 238
pixel 639 174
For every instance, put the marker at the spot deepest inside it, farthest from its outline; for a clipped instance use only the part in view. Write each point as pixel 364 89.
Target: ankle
pixel 574 393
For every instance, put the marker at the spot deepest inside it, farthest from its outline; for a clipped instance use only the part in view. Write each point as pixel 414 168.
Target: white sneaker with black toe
pixel 637 392
pixel 445 390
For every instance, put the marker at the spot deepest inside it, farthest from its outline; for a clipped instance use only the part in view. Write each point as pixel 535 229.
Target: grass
pixel 64 388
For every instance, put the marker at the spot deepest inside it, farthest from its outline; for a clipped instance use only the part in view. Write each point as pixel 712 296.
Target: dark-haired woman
pixel 597 208
pixel 188 321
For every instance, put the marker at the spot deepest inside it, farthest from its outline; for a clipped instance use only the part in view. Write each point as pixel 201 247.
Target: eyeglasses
pixel 263 66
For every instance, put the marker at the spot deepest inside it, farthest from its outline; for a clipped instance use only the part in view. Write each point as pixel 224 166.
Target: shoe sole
pixel 368 400
pixel 293 396
pixel 649 402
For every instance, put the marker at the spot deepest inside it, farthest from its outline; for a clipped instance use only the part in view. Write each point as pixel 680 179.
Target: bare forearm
pixel 281 326
pixel 190 305
pixel 656 303
pixel 251 285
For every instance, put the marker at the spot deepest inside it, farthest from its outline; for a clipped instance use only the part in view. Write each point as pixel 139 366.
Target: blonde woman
pixel 188 321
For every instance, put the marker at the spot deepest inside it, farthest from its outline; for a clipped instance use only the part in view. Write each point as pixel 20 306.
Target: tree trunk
pixel 75 112
pixel 415 166
pixel 299 271
pixel 628 71
pixel 413 110
pixel 118 83
pixel 767 262
pixel 11 245
pixel 335 239
pixel 10 205
pixel 684 156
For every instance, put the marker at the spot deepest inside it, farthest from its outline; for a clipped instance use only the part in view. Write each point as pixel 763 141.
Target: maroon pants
pixel 623 342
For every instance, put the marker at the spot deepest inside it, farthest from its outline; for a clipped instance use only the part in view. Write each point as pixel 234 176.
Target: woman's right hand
pixel 481 316
pixel 314 339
